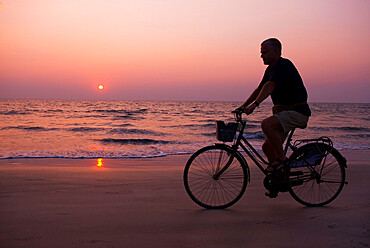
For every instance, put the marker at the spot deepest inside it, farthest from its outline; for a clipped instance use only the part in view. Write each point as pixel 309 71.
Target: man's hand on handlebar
pixel 248 109
pixel 238 111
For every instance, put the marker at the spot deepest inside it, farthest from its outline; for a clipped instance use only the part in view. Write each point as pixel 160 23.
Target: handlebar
pixel 238 114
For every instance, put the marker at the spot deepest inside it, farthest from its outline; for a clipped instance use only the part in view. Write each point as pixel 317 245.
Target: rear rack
pixel 322 140
pixel 312 155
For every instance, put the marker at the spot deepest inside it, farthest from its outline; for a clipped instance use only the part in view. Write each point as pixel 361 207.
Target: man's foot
pixel 277 165
pixel 271 194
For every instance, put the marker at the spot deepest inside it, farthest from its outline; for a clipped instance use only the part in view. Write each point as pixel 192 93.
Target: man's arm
pixel 251 98
pixel 266 90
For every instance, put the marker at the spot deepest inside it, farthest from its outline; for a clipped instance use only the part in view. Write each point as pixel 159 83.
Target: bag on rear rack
pixel 312 156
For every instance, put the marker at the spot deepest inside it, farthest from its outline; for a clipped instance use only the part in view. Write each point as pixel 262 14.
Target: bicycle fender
pixel 344 160
pixel 222 145
pixel 239 155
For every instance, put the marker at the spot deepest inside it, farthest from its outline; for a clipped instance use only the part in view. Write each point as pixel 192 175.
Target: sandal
pixel 271 194
pixel 276 167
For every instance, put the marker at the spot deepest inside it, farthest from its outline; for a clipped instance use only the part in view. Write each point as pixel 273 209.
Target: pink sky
pixel 179 50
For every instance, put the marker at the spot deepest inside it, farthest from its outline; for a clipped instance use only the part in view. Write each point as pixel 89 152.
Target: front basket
pixel 226 132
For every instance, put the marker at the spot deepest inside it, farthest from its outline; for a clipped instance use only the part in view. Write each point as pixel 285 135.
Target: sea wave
pixel 126 129
pixel 126 117
pixel 348 128
pixel 13 112
pixel 356 136
pixel 210 134
pixel 121 155
pixel 124 125
pixel 254 135
pixel 135 141
pixel 27 128
pixel 87 156
pixel 134 131
pixel 120 111
pixel 197 125
pixel 85 129
pixel 54 110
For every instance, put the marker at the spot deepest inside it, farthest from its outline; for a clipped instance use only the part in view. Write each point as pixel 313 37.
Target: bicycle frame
pixel 216 176
pixel 253 153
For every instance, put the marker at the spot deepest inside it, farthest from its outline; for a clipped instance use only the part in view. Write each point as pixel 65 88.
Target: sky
pixel 207 50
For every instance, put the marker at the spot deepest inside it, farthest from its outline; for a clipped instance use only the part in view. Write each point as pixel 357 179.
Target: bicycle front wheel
pixel 201 185
pixel 318 175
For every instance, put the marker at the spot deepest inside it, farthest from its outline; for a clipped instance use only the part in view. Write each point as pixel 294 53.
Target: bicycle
pixel 216 176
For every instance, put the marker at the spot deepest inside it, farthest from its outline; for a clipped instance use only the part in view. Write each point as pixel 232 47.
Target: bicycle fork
pixel 219 171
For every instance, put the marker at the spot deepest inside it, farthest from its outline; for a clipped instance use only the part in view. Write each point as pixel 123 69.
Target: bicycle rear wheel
pixel 316 180
pixel 207 191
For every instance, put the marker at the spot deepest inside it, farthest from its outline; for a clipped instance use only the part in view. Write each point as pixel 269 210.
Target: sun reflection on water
pixel 99 163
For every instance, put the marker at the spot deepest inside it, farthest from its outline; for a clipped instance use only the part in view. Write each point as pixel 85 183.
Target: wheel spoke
pixel 215 193
pixel 322 183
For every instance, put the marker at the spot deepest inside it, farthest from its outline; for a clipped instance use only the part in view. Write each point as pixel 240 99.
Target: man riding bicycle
pixel 216 176
pixel 283 83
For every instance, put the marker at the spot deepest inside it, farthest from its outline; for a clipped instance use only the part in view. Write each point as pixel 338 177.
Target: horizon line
pixel 164 100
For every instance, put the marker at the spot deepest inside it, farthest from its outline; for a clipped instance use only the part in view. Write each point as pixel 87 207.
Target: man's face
pixel 269 55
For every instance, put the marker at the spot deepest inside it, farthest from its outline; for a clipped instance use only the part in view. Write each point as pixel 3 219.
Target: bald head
pixel 273 44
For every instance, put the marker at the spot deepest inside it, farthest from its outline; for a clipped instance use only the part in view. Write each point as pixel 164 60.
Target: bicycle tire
pixel 212 193
pixel 322 185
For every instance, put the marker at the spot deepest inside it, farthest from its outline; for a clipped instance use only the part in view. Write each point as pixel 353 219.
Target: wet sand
pixel 142 203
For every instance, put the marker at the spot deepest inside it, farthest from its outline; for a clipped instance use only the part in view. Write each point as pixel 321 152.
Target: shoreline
pixel 142 203
pixel 349 152
pixel 356 156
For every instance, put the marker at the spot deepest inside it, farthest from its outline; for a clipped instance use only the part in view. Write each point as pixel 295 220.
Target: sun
pixel 100 87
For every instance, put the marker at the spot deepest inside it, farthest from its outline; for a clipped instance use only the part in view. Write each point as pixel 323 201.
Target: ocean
pixel 145 129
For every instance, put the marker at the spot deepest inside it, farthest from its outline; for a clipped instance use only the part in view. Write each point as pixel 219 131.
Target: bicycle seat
pixel 300 127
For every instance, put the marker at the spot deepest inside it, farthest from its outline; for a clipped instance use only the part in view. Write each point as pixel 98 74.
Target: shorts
pixel 291 119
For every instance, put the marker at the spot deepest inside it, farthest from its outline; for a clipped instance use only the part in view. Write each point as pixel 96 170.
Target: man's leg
pixel 272 129
pixel 269 151
pixel 273 146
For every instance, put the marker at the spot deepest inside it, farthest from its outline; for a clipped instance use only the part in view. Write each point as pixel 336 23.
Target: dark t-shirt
pixel 289 89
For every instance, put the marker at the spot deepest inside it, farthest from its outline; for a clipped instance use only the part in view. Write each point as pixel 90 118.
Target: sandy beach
pixel 142 203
